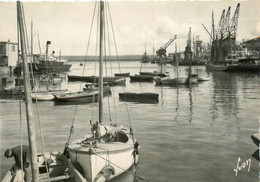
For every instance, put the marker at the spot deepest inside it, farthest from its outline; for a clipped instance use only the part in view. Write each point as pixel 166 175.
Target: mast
pixel 28 99
pixel 32 41
pixel 101 62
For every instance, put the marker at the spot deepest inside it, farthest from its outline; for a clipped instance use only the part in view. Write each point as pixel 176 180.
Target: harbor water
pixel 194 133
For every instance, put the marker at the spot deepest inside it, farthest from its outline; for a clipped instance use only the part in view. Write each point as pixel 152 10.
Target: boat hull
pixel 139 97
pixel 172 81
pixel 102 163
pixel 234 68
pixel 51 67
pixel 122 74
pixel 141 78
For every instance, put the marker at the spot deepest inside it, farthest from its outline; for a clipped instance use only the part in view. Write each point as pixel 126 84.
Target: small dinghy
pixel 203 78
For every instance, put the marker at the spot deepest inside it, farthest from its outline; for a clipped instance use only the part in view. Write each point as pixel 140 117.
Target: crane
pixel 234 22
pixel 219 33
pixel 162 51
pixel 226 24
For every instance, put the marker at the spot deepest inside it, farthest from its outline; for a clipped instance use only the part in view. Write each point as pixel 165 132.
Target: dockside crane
pixel 162 51
pixel 234 23
pixel 226 30
pixel 220 29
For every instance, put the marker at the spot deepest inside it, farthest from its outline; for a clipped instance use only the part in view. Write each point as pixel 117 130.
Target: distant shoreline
pixel 108 58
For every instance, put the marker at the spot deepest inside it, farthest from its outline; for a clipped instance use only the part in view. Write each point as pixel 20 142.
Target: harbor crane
pixel 162 51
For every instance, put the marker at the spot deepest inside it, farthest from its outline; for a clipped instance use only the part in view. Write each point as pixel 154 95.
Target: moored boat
pixel 122 74
pixel 46 95
pixel 145 97
pixel 141 78
pixel 108 150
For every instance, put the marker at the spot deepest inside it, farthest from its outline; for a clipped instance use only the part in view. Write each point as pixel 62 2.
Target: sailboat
pixel 99 155
pixel 96 157
pixel 145 57
pixel 50 165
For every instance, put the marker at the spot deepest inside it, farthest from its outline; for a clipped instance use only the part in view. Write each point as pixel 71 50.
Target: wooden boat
pixel 76 96
pixel 203 78
pixel 171 81
pixel 141 78
pixel 90 87
pixel 49 166
pixel 155 73
pixel 92 79
pixel 108 150
pixel 46 95
pixel 192 79
pixel 145 97
pixel 122 74
pixel 256 138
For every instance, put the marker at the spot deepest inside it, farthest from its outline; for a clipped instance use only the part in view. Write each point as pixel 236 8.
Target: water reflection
pixel 129 176
pixel 191 103
pixel 224 94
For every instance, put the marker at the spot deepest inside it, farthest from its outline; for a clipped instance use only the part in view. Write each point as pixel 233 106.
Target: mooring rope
pixel 76 107
pixel 129 120
pixel 125 170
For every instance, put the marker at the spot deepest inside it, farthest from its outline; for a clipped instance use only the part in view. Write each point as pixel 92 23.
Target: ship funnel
pixel 48 43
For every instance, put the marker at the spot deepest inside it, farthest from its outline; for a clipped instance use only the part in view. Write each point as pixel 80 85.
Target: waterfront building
pixel 8 53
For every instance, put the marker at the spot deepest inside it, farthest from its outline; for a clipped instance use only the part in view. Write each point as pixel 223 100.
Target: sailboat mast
pixel 101 62
pixel 28 99
pixel 32 41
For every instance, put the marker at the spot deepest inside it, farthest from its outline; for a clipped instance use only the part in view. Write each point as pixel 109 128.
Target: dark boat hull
pixel 92 79
pixel 139 97
pixel 234 68
pixel 141 78
pixel 50 67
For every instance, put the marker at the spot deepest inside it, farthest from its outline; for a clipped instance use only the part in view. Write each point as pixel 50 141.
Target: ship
pixel 49 63
pixel 226 53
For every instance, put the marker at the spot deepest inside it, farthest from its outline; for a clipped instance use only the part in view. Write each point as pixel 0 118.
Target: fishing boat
pixel 49 166
pixel 108 150
pixel 122 74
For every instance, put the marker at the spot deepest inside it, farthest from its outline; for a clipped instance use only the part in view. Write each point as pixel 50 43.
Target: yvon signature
pixel 245 164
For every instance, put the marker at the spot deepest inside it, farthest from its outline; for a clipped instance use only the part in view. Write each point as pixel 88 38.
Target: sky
pixel 136 24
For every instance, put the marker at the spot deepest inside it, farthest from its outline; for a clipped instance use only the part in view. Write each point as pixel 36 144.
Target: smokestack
pixel 48 43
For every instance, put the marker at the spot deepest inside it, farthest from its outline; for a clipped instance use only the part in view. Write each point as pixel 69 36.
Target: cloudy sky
pixel 136 23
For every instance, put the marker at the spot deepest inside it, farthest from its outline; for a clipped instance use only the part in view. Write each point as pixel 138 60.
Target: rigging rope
pixel 73 119
pixel 125 170
pixel 109 110
pixel 129 120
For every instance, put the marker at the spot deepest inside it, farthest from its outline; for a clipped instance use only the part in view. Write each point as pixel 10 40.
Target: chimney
pixel 48 43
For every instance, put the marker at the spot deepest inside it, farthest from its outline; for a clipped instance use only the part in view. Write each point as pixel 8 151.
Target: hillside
pixel 112 58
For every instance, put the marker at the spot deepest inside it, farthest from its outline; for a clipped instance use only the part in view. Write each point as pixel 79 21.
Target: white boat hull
pixel 103 163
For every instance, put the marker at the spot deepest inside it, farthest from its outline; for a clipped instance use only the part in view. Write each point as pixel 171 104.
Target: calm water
pixel 193 134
